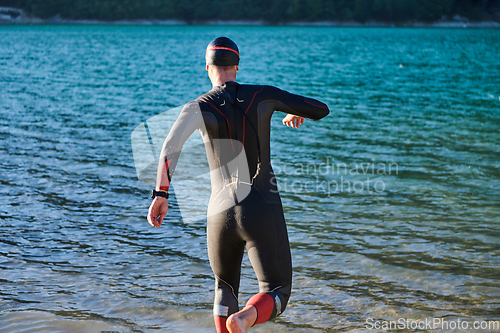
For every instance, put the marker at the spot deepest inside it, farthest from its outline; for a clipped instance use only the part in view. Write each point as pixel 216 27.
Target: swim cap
pixel 222 52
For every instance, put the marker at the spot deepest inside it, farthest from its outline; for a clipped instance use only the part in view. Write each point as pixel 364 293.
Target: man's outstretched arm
pixel 299 105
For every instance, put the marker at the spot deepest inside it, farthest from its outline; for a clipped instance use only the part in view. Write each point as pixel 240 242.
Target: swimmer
pixel 244 211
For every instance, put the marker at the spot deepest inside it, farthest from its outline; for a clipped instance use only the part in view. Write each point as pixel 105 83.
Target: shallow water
pixel 77 255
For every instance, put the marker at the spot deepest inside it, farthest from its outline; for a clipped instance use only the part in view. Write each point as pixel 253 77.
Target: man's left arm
pixel 299 107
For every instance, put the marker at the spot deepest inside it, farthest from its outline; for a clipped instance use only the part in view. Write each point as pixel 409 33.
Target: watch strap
pixel 162 194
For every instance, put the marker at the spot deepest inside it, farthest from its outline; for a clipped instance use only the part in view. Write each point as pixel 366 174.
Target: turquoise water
pixel 392 201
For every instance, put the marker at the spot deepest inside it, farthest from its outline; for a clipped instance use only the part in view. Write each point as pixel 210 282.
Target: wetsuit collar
pixel 228 84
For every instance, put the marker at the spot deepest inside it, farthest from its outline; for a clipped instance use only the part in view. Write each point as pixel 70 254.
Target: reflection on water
pixel 76 254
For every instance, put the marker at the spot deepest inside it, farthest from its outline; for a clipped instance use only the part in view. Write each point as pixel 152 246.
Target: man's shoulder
pixel 191 107
pixel 259 87
pixel 205 102
pixel 247 87
pixel 206 97
pixel 251 91
pixel 262 91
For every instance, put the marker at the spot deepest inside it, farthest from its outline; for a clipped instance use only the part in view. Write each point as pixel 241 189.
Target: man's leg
pixel 225 251
pixel 269 252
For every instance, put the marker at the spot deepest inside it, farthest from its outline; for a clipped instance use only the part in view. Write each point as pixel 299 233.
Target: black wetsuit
pixel 245 207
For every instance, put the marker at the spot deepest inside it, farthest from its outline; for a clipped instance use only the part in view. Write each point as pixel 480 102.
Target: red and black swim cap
pixel 222 52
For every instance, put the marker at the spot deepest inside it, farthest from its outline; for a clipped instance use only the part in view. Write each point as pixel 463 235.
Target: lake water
pixel 392 201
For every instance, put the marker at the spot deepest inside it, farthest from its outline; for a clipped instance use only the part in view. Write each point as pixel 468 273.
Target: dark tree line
pixel 272 11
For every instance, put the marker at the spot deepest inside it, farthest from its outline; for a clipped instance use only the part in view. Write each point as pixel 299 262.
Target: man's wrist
pixel 159 193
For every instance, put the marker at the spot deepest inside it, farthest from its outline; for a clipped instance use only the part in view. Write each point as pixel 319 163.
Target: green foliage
pixel 272 11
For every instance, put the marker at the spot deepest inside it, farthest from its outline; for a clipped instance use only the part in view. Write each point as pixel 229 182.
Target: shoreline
pixel 14 16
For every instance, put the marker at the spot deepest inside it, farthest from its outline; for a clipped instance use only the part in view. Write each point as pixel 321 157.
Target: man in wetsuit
pixel 245 208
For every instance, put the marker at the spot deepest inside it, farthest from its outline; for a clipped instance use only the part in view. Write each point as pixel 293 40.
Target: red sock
pixel 220 324
pixel 264 304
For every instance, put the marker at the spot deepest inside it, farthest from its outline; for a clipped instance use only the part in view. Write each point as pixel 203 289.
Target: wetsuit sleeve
pixel 188 121
pixel 300 105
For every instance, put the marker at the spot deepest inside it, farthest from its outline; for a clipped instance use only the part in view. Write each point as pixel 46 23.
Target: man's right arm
pixel 188 121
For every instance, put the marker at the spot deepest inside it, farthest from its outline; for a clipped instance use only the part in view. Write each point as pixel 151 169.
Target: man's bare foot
pixel 240 322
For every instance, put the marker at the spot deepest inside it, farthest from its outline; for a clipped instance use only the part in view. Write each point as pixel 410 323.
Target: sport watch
pixel 162 194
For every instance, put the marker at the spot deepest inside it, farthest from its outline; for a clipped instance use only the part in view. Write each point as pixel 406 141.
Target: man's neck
pixel 221 79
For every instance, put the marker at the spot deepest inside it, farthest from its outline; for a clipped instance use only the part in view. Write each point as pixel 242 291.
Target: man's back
pixel 237 118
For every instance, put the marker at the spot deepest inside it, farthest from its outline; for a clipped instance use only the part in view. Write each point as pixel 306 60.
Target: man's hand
pixel 292 120
pixel 157 211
